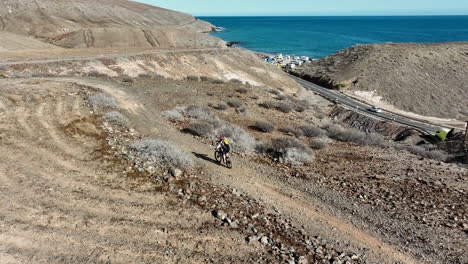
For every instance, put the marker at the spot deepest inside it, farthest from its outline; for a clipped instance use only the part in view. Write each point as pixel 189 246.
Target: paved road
pixel 361 107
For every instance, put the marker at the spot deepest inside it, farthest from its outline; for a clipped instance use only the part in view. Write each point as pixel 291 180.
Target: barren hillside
pixel 10 41
pixel 218 65
pixel 89 174
pixel 107 152
pixel 104 23
pixel 427 79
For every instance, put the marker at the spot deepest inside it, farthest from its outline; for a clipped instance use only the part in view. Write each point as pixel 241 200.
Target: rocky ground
pixel 107 149
pixel 426 79
pixel 354 204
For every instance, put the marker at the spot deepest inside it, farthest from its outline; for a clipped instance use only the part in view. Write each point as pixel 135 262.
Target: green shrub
pixel 340 85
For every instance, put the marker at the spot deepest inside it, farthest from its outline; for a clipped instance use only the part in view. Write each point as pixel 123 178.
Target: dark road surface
pixel 363 108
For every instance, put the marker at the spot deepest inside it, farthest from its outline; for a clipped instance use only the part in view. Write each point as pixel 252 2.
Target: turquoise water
pixel 321 36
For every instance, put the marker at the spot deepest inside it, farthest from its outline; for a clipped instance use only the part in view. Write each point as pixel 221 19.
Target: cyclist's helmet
pixel 222 138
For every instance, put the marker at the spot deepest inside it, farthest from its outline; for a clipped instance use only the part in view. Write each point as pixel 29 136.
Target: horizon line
pixel 277 15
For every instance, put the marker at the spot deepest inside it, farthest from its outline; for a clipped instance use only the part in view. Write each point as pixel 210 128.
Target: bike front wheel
pixel 228 163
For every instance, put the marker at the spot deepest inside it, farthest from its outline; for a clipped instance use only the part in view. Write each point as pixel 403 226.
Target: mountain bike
pixel 219 158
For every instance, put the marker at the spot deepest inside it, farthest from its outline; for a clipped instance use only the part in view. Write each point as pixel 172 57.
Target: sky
pixel 314 7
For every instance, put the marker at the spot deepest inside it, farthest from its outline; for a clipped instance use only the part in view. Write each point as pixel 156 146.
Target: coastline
pixel 318 37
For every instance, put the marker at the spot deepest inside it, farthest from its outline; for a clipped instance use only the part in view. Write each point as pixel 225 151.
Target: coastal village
pixel 287 61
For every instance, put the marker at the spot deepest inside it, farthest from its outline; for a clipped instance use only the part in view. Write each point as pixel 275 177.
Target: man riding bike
pixel 223 146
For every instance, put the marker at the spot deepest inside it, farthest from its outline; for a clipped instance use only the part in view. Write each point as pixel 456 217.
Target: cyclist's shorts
pixel 226 149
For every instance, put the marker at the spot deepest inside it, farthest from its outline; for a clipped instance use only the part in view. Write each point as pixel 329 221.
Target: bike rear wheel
pixel 218 156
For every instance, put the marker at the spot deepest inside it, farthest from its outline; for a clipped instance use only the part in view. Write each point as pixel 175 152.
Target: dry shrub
pixel 2 67
pixel 268 104
pixel 127 79
pixel 292 131
pixel 354 136
pixel 161 153
pixel 144 75
pixel 281 97
pixel 217 81
pixel 426 153
pixel 205 78
pixel 221 106
pixel 284 107
pixel 42 74
pixel 312 131
pixel 263 126
pixel 254 97
pixel 241 111
pixel 173 115
pixel 300 108
pixel 242 90
pixel 96 74
pixel 192 78
pixel 287 150
pixel 116 119
pixel 319 143
pixel 234 103
pixel 201 129
pixel 209 125
pixel 237 81
pixel 211 80
pixel 274 91
pixel 101 101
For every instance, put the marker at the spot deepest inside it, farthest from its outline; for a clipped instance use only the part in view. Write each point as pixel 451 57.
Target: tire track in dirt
pixel 257 186
pixel 59 204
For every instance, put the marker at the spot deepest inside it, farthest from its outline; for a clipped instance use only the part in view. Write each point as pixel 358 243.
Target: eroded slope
pixel 106 23
pixel 65 200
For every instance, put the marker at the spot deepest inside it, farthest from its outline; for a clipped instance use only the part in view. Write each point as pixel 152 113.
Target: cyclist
pixel 223 145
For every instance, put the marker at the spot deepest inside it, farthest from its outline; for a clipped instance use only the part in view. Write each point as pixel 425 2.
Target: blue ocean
pixel 317 37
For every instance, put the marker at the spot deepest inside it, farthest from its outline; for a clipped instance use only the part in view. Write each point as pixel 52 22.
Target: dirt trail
pixel 62 202
pixel 273 193
pixel 58 55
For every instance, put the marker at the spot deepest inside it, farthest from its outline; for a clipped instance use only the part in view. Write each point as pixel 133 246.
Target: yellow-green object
pixel 442 134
